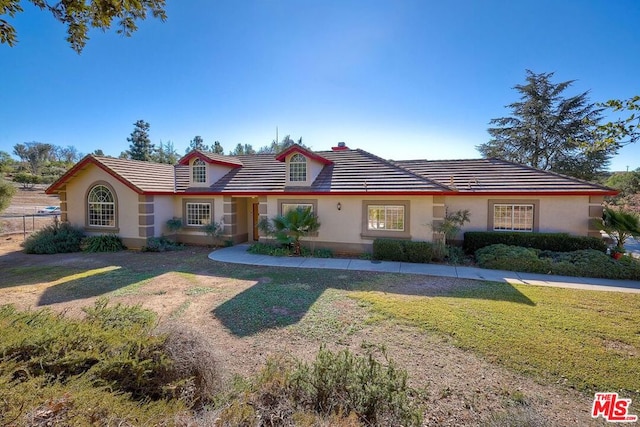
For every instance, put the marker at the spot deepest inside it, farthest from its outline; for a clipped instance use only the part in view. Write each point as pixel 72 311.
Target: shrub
pixel 323 253
pixel 559 242
pixel 193 359
pixel 281 250
pixel 102 243
pixel 161 244
pixel 582 263
pixel 513 258
pixel 112 349
pixel 402 250
pixel 339 387
pixel 53 239
pixel 389 250
pixel 419 252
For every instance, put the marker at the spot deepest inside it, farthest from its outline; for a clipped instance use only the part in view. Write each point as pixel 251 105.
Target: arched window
pixel 298 168
pixel 199 171
pixel 101 207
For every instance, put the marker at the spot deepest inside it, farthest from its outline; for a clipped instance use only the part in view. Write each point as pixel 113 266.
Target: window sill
pixel 380 234
pixel 95 229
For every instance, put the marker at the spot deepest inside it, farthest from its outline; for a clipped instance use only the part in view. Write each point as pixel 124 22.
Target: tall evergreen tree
pixel 548 130
pixel 166 153
pixel 197 143
pixel 277 147
pixel 217 148
pixel 140 147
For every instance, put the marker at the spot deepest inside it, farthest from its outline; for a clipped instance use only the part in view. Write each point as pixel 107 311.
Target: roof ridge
pixel 403 169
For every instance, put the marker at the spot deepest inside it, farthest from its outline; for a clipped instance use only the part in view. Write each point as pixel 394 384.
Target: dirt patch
pixel 460 387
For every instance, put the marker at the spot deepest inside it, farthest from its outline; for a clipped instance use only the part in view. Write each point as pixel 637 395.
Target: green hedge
pixel 557 242
pixel 582 263
pixel 402 250
pixel 54 239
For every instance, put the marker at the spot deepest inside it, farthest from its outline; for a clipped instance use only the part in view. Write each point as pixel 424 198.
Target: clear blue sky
pixel 402 79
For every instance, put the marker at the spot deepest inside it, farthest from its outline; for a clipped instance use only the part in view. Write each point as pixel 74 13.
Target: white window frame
pixel 198 207
pixel 515 217
pixel 389 217
pixel 198 171
pixel 297 168
pixel 101 211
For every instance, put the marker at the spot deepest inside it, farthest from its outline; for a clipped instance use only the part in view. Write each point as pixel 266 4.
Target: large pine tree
pixel 140 147
pixel 548 130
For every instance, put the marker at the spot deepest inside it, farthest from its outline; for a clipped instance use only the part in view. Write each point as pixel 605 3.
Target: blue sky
pixel 402 79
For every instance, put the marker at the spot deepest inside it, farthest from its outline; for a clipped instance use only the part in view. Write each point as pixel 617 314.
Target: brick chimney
pixel 341 147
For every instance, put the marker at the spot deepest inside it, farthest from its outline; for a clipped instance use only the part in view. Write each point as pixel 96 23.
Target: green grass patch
pixel 589 338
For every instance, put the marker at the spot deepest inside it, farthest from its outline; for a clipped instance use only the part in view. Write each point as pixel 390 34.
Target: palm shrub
pixel 620 225
pixel 294 225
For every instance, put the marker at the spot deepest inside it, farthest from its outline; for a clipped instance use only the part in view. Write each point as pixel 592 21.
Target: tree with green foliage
pixel 140 147
pixel 242 149
pixel 620 225
pixel 548 130
pixel 98 152
pixel 624 130
pixel 6 162
pixel 217 148
pixel 197 143
pixel 79 16
pixel 34 154
pixel 294 225
pixel 7 190
pixel 277 147
pixel 166 153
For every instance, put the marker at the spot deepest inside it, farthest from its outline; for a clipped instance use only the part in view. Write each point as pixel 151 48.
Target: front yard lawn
pixel 589 339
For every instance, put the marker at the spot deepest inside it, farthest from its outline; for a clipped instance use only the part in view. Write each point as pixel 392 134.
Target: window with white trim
pixel 101 207
pixel 198 214
pixel 385 217
pixel 198 171
pixel 513 217
pixel 298 168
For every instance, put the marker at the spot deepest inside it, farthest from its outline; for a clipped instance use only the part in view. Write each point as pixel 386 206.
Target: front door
pixel 256 218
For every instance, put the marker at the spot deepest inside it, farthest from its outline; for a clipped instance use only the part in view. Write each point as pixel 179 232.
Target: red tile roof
pixel 346 172
pixel 494 175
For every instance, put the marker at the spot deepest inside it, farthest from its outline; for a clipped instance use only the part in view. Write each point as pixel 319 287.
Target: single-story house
pixel 357 196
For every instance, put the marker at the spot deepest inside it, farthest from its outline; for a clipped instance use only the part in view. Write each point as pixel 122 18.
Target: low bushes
pixel 287 250
pixel 581 263
pixel 161 244
pixel 102 243
pixel 53 239
pixel 402 250
pixel 109 365
pixel 342 388
pixel 558 242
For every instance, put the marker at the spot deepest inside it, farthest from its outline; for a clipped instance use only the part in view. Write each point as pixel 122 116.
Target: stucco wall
pixel 345 225
pixel 567 214
pixel 127 209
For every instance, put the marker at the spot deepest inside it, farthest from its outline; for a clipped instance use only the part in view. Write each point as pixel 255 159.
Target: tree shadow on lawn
pixel 285 299
pixel 93 283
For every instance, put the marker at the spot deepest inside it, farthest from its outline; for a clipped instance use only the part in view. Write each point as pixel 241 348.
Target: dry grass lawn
pixel 256 312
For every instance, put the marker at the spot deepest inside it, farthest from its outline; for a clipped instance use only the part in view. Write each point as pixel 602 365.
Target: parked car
pixel 50 210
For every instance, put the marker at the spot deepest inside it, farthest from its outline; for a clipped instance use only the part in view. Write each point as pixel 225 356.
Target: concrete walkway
pixel 239 255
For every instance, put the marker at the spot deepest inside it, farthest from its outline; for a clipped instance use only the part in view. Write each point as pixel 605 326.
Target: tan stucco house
pixel 356 195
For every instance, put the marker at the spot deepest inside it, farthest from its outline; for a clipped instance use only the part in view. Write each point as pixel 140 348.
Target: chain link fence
pixel 13 223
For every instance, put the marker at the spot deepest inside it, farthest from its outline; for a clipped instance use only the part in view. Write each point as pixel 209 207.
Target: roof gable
pixel 141 177
pixel 295 148
pixel 211 158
